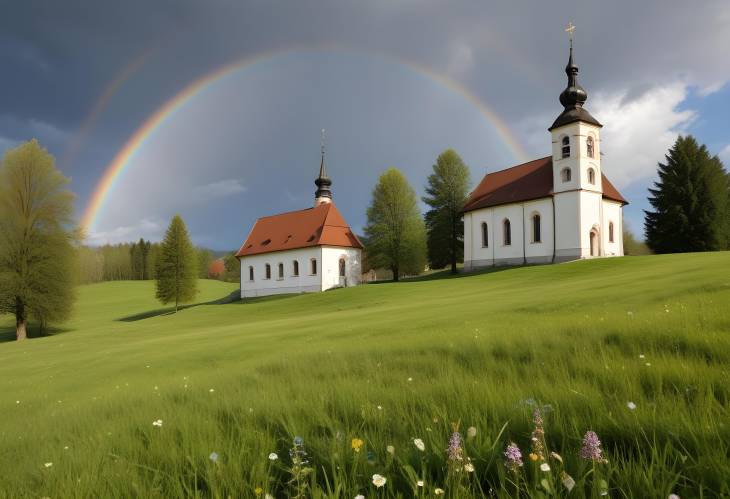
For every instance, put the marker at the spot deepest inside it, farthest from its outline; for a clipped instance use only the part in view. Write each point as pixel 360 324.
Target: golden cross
pixel 570 29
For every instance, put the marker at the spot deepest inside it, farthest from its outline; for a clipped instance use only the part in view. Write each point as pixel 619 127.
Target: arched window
pixel 591 176
pixel 566 147
pixel 507 233
pixel 536 228
pixel 295 268
pixel 281 271
pixel 342 267
pixel 250 273
pixel 610 232
pixel 313 266
pixel 268 271
pixel 589 147
pixel 565 174
pixel 485 235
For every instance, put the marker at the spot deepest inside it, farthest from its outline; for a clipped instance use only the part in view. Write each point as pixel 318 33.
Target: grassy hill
pixel 384 363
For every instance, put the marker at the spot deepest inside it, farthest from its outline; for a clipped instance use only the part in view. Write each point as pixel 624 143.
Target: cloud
pixel 219 189
pixel 145 228
pixel 725 156
pixel 461 60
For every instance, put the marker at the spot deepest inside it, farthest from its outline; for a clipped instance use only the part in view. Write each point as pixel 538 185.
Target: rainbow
pixel 138 139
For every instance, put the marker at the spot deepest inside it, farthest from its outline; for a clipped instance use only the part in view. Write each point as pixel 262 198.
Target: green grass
pixel 385 363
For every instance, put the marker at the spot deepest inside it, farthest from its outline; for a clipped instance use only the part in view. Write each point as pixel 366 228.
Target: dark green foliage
pixel 232 269
pixel 37 256
pixel 139 254
pixel 446 191
pixel 205 258
pixel 633 246
pixel 177 266
pixel 690 202
pixel 395 236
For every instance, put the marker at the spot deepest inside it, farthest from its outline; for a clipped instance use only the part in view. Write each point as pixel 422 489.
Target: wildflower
pixel 211 390
pixel 258 491
pixel 641 356
pixel 673 496
pixel 469 468
pixel 533 456
pixel 438 492
pixel 556 456
pixel 567 481
pixel 513 457
pixel 157 423
pixel 390 449
pixel 17 401
pixel 48 465
pixel 454 450
pixel 631 406
pixel 471 432
pixel 359 496
pixel 545 467
pixel 379 480
pixel 273 456
pixel 538 436
pixel 268 496
pixel 419 483
pixel 380 407
pixel 214 457
pixel 591 449
pixel 419 444
pixel 357 444
pixel 410 379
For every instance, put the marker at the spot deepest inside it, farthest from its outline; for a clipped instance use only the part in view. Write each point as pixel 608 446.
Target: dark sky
pixel 393 82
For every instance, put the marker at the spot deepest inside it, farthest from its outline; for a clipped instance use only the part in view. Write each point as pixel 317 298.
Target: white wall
pixel 613 212
pixel 331 266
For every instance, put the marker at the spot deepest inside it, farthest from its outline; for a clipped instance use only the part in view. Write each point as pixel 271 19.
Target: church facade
pixel 301 251
pixel 558 208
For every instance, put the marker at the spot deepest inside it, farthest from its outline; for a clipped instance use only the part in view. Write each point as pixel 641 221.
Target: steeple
pixel 323 182
pixel 574 96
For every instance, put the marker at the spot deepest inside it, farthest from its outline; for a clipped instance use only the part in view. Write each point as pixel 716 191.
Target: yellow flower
pixel 357 444
pixel 533 456
pixel 258 491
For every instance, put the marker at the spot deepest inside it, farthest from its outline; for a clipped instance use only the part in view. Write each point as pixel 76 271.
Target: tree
pixel 205 257
pixel 395 236
pixel 690 201
pixel 37 255
pixel 139 260
pixel 232 266
pixel 177 266
pixel 633 246
pixel 447 189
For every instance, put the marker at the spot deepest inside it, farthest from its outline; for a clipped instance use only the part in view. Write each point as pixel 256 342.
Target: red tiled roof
pixel 525 182
pixel 322 225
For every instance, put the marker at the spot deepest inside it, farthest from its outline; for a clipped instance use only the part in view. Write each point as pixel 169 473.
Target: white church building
pixel 301 251
pixel 553 209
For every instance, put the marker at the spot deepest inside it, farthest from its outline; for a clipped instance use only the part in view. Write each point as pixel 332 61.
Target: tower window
pixel 610 232
pixel 268 271
pixel 313 266
pixel 566 147
pixel 589 147
pixel 565 174
pixel 342 267
pixel 485 235
pixel 295 268
pixel 591 176
pixel 536 228
pixel 507 233
pixel 250 273
pixel 281 271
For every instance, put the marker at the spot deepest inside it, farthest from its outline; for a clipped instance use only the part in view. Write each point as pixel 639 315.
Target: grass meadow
pixel 382 365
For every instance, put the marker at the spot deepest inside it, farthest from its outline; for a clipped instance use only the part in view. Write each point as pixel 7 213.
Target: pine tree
pixel 395 236
pixel 177 266
pixel 690 201
pixel 37 254
pixel 446 191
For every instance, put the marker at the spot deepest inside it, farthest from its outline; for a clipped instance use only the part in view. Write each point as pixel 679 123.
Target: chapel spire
pixel 323 182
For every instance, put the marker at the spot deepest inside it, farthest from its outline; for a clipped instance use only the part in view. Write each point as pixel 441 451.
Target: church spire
pixel 323 182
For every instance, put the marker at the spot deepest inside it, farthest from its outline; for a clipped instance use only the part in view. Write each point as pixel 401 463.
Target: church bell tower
pixel 323 182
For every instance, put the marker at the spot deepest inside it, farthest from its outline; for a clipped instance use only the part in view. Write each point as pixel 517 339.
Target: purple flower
pixel 591 449
pixel 513 457
pixel 455 451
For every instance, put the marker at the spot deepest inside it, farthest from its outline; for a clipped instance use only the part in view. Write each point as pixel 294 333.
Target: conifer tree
pixel 37 254
pixel 690 201
pixel 395 236
pixel 446 191
pixel 177 266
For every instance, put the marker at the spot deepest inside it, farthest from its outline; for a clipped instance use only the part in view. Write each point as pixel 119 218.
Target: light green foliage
pixel 232 268
pixel 205 258
pixel 446 193
pixel 37 256
pixel 384 363
pixel 395 236
pixel 177 266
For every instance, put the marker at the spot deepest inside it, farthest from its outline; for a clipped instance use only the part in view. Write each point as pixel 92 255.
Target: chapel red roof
pixel 525 182
pixel 322 225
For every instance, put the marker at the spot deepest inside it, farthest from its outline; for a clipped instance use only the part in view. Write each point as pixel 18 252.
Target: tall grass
pixel 384 364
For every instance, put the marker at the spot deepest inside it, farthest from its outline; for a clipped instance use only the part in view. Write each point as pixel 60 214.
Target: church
pixel 553 209
pixel 301 251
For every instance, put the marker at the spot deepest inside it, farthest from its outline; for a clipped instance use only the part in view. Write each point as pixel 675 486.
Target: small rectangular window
pixel 295 268
pixel 250 273
pixel 314 266
pixel 268 271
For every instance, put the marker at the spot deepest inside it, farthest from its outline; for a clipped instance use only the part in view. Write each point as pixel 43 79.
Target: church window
pixel 565 175
pixel 566 147
pixel 295 268
pixel 281 271
pixel 591 176
pixel 313 264
pixel 342 267
pixel 268 271
pixel 485 235
pixel 507 233
pixel 250 273
pixel 536 228
pixel 589 147
pixel 610 232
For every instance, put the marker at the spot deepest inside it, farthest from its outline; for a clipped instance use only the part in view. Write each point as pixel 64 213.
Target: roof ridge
pixel 521 164
pixel 288 212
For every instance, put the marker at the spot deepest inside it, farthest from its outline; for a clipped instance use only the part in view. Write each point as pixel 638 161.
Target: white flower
pixel 471 432
pixel 214 457
pixel 410 379
pixel 268 496
pixel 157 423
pixel 380 407
pixel 419 483
pixel 631 406
pixel 648 364
pixel 390 449
pixel 359 496
pixel 673 496
pixel 211 390
pixel 641 356
pixel 273 456
pixel 568 482
pixel 545 467
pixel 555 455
pixel 17 401
pixel 469 468
pixel 438 492
pixel 48 465
pixel 379 480
pixel 419 444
